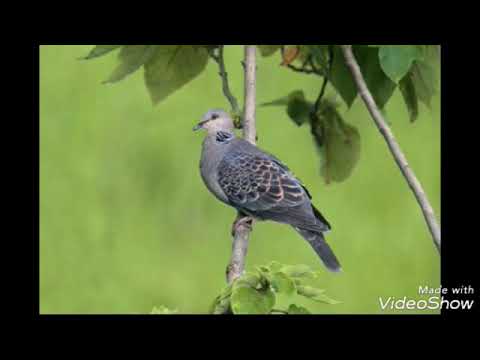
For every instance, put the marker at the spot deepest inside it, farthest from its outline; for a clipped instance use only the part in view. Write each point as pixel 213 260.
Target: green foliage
pixel 341 78
pixel 297 107
pixel 172 67
pixel 256 292
pixel 424 81
pixel 167 67
pixel 100 50
pixel 396 60
pixel 337 142
pixel 407 88
pixel 131 58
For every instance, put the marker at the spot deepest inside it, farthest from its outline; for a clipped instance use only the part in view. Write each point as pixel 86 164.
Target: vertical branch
pixel 242 231
pixel 249 129
pixel 223 74
pixel 395 149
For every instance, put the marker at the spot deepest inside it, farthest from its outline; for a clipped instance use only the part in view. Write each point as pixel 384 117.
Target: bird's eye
pixel 214 116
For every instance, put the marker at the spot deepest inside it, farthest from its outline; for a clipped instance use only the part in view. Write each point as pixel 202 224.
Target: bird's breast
pixel 208 170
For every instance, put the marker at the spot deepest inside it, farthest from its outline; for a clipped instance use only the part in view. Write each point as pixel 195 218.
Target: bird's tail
pixel 323 250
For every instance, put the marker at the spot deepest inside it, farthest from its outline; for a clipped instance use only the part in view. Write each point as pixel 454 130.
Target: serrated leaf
pixel 100 50
pixel 396 60
pixel 297 310
pixel 282 283
pixel 171 67
pixel 131 58
pixel 246 300
pixel 268 50
pixel 407 88
pixel 338 144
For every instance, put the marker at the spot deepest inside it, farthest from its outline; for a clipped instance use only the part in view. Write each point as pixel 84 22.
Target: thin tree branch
pixel 395 149
pixel 249 128
pixel 224 75
pixel 242 231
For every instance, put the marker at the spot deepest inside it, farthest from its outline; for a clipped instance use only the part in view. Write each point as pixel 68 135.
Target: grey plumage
pixel 258 184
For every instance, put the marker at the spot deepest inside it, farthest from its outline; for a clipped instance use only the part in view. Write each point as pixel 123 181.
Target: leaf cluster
pixel 257 292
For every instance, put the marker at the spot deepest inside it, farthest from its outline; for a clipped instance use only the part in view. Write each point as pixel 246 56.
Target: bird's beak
pixel 199 126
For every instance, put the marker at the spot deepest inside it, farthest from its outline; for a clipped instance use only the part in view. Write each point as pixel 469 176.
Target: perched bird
pixel 258 185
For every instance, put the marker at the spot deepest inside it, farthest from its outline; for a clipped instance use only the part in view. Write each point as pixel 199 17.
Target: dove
pixel 258 185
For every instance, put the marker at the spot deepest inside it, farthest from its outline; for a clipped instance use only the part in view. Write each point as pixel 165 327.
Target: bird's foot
pixel 246 221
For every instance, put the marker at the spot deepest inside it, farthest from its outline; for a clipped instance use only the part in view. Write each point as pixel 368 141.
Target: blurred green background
pixel 126 223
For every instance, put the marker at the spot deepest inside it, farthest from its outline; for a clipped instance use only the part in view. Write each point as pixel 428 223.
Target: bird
pixel 258 185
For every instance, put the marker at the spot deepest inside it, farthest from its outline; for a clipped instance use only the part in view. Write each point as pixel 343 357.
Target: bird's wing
pixel 258 182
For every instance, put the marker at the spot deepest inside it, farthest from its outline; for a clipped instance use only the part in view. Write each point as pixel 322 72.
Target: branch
pixel 225 87
pixel 242 231
pixel 395 149
pixel 325 79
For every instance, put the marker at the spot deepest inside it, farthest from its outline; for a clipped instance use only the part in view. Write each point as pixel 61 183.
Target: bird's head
pixel 215 120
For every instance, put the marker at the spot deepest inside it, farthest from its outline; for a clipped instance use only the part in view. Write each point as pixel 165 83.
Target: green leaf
pixel 275 266
pixel 250 279
pixel 162 310
pixel 281 283
pixel 297 310
pixel 279 102
pixel 298 109
pixel 268 50
pixel 221 304
pixel 309 291
pixel 246 300
pixel 319 55
pixel 131 57
pixel 316 294
pixel 396 60
pixel 171 67
pixel 341 78
pixel 379 84
pixel 100 50
pixel 424 80
pixel 298 271
pixel 338 144
pixel 407 88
